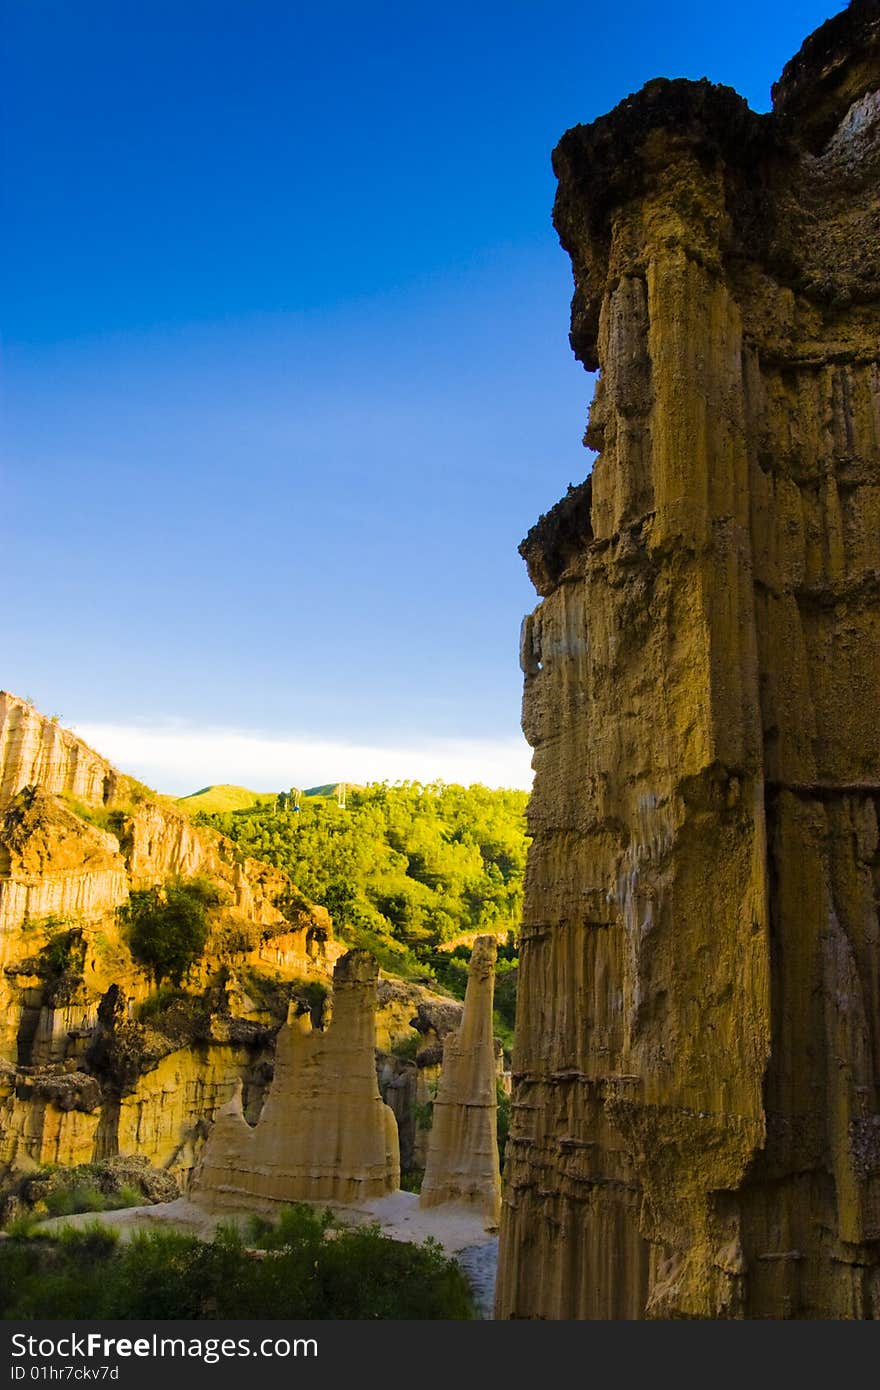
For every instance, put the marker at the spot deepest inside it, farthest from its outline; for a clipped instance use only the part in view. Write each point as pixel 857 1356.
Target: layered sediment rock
pixel 324 1133
pixel 37 752
pixel 462 1160
pixel 47 1119
pixel 696 1120
pixel 53 864
pixel 61 882
pixel 157 840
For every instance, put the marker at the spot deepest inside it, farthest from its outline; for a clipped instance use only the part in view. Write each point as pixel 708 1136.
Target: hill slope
pixel 404 870
pixel 224 797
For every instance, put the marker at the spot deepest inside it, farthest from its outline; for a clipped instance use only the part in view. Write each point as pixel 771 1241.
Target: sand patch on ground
pixel 399 1216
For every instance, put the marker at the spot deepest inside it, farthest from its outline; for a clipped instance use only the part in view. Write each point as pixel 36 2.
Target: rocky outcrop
pixel 166 1116
pixel 61 882
pixel 462 1161
pixel 324 1133
pixel 135 1088
pixel 37 752
pixel 115 1182
pixel 53 864
pixel 402 1007
pixel 47 1118
pixel 696 1120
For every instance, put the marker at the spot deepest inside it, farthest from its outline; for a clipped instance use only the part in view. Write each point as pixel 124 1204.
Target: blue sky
pixel 286 375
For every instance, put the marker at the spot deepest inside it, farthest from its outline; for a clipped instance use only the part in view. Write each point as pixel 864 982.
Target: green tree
pixel 168 926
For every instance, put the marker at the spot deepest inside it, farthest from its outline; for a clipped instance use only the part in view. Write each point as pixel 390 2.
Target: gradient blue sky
pixel 286 370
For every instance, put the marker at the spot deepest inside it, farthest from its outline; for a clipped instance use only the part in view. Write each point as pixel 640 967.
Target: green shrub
pixel 64 954
pixel 297 1224
pixel 99 816
pixel 504 1032
pixel 161 999
pixel 358 1273
pixel 67 1201
pixel 125 1197
pixel 168 927
pixel 92 1241
pixel 70 1201
pixel 50 924
pixel 24 1225
pixel 424 1113
pixel 408 1048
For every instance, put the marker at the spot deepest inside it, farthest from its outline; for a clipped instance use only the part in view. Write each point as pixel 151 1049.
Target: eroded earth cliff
pixel 81 1077
pixel 696 1127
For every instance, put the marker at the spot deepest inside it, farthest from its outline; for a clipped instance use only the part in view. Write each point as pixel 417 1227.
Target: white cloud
pixel 177 759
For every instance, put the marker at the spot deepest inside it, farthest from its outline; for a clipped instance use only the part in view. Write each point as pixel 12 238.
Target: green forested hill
pixel 402 869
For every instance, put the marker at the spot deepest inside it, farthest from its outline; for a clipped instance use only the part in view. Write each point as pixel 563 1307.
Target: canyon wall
pixel 696 1120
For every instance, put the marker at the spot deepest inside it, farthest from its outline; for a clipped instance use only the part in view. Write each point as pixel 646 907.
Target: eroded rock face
pixel 52 864
pixel 462 1160
pixel 696 1127
pixel 37 752
pixel 324 1133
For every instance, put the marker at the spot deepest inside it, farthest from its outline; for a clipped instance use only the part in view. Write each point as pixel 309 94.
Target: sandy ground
pixel 399 1215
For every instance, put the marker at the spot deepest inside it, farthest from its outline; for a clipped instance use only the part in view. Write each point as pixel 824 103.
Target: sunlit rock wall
pixel 37 752
pixel 696 1129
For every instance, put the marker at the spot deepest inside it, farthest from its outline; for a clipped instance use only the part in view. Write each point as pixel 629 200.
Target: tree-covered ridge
pixel 403 869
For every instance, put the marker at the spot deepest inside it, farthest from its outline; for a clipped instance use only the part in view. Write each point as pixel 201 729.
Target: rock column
pixel 462 1161
pixel 324 1133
